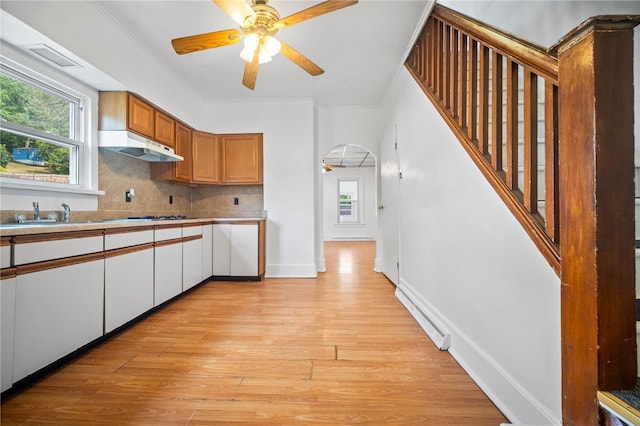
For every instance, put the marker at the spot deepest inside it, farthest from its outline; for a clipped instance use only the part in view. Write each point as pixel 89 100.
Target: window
pixel 41 136
pixel 348 201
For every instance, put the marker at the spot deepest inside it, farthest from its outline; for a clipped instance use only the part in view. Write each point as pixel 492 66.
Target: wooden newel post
pixel 596 152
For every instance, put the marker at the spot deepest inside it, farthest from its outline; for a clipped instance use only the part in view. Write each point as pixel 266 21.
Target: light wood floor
pixel 339 349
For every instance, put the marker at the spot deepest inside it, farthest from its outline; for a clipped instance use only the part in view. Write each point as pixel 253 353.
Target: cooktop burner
pixel 173 217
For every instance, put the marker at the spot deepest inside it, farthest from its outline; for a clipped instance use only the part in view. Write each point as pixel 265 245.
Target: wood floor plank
pixel 339 349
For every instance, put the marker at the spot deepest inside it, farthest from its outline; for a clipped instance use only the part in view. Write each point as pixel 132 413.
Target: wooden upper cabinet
pixel 183 169
pixel 141 117
pixel 179 171
pixel 165 129
pixel 125 111
pixel 206 158
pixel 241 158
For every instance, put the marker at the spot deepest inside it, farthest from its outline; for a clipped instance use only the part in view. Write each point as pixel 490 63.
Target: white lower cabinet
pixel 191 256
pixel 207 251
pixel 235 250
pixel 168 264
pixel 8 306
pixel 57 311
pixel 128 286
pixel 222 249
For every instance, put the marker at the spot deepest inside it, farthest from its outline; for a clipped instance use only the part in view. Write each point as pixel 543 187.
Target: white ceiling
pixel 361 48
pixel 349 156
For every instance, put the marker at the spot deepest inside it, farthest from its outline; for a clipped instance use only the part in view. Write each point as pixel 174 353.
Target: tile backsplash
pixel 118 173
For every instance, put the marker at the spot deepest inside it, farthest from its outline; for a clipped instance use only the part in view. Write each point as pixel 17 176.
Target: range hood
pixel 137 146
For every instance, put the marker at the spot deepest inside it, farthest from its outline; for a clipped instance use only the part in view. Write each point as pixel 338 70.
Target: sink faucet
pixel 36 211
pixel 67 212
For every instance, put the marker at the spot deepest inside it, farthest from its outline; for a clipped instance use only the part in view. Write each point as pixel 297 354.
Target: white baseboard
pixel 290 271
pixel 505 392
pixel 377 264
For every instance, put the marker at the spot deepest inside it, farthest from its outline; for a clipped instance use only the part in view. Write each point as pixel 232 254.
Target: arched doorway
pixel 349 194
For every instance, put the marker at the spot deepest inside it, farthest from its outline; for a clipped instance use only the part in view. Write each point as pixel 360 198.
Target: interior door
pixel 389 205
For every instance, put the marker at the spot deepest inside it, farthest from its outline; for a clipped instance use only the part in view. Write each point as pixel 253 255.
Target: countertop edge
pixel 15 229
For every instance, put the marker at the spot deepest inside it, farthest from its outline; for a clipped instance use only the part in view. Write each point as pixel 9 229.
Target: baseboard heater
pixel 441 339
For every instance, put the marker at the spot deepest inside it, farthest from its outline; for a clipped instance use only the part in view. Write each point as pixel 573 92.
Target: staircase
pixel 552 132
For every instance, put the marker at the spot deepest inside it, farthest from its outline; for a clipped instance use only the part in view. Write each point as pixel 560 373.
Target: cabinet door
pixel 165 129
pixel 207 251
pixel 244 250
pixel 191 256
pixel 141 117
pixel 206 158
pixel 57 311
pixel 191 263
pixel 222 249
pixel 168 272
pixel 241 158
pixel 128 287
pixel 7 312
pixel 183 148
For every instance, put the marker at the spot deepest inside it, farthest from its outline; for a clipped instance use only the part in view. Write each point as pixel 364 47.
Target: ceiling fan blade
pixel 238 10
pixel 251 72
pixel 198 42
pixel 312 12
pixel 300 60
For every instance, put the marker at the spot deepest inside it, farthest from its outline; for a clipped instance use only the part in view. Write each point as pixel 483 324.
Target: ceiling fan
pixel 259 23
pixel 326 168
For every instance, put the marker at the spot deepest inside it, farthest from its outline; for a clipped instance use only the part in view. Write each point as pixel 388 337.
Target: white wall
pixel 288 126
pixel 464 259
pixel 85 30
pixel 289 168
pixel 467 262
pixel 367 229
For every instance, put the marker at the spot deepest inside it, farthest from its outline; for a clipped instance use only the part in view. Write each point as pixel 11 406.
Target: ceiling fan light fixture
pixel 252 41
pixel 263 56
pixel 272 45
pixel 247 54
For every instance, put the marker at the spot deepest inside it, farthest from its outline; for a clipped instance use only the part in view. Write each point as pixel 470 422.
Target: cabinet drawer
pixel 162 234
pixel 29 249
pixel 5 253
pixel 127 238
pixel 188 231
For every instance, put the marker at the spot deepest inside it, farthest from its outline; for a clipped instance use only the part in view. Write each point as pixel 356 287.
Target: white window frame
pixel 358 201
pixel 14 192
pixel 77 129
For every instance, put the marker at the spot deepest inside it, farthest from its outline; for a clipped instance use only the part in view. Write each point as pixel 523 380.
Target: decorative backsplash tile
pixel 119 173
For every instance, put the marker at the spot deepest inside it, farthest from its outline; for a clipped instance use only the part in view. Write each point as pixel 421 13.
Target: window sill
pixel 28 186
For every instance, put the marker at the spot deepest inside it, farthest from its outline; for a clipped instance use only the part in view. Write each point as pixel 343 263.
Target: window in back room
pixel 348 201
pixel 40 130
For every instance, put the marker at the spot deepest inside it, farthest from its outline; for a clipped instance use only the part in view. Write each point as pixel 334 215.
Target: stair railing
pixel 567 112
pixel 500 96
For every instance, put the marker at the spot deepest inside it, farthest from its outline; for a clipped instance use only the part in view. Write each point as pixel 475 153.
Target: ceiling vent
pixel 45 52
